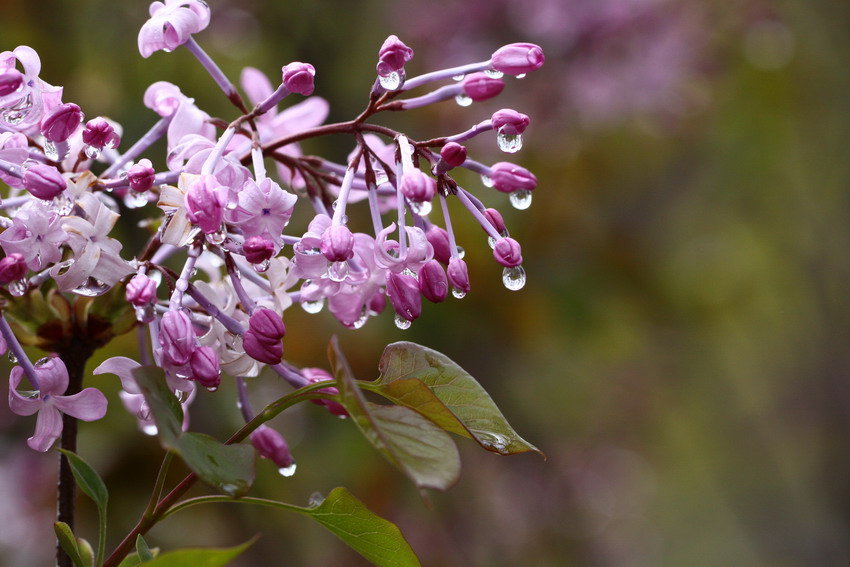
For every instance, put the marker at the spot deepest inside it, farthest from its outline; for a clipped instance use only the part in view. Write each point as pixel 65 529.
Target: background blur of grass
pixel 679 351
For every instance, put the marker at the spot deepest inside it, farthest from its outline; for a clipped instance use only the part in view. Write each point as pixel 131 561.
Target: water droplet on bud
pixel 458 77
pixel 390 82
pixel 145 313
pixel 91 152
pixel 421 208
pixel 509 144
pixel 381 177
pixel 216 237
pixel 364 316
pixel 521 76
pixel 150 429
pixel 486 181
pixel 287 471
pixel 212 388
pixel 491 241
pixel 62 204
pixel 494 74
pixel 50 151
pixel 18 287
pixel 458 293
pixel 12 358
pixel 262 267
pixel 337 271
pixel 316 499
pixel 401 322
pixel 463 99
pixel 313 306
pixel 92 287
pixel 514 278
pixel 461 252
pixel 520 199
pixel 134 199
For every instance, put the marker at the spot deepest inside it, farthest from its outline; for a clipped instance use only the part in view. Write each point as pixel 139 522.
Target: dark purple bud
pixel 258 249
pixel 392 56
pixel 100 134
pixel 205 367
pixel 377 303
pixel 141 290
pixel 205 202
pixel 61 122
pixel 176 337
pixel 433 282
pixel 418 186
pixel 314 375
pixel 267 325
pixel 337 243
pixel 479 86
pixel 508 177
pixel 271 445
pixel 453 154
pixel 403 291
pixel 458 275
pixel 518 58
pixel 44 181
pixel 260 349
pixel 508 252
pixel 12 268
pixel 510 122
pixel 141 176
pixel 439 239
pixel 495 218
pixel 299 78
pixel 10 81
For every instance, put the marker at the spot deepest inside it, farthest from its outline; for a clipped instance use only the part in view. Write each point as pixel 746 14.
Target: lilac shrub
pixel 70 286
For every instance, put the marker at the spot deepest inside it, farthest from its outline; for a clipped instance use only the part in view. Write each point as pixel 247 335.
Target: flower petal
pixel 122 367
pixel 88 405
pixel 17 403
pixel 48 428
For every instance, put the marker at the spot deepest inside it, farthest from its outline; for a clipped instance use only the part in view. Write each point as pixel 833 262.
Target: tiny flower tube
pixel 100 134
pixel 337 243
pixel 439 239
pixel 176 337
pixel 417 186
pixel 508 252
pixel 495 218
pixel 458 275
pixel 141 176
pixel 141 290
pixel 272 446
pixel 518 58
pixel 260 349
pixel 61 122
pixel 10 81
pixel 267 325
pixel 12 268
pixel 299 78
pixel 205 367
pixel 392 56
pixel 510 122
pixel 314 375
pixel 433 282
pixel 479 86
pixel 205 203
pixel 509 177
pixel 258 249
pixel 403 291
pixel 44 181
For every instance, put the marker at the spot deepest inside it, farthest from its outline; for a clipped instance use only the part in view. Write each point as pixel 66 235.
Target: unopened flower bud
pixel 453 154
pixel 176 337
pixel 61 122
pixel 377 303
pixel 258 249
pixel 508 252
pixel 518 58
pixel 10 81
pixel 141 290
pixel 44 181
pixel 510 122
pixel 458 275
pixel 439 239
pixel 141 176
pixel 12 268
pixel 479 86
pixel 261 349
pixel 205 202
pixel 267 325
pixel 495 218
pixel 271 445
pixel 337 243
pixel 508 177
pixel 433 282
pixel 299 78
pixel 100 134
pixel 403 291
pixel 392 56
pixel 418 186
pixel 205 367
pixel 314 375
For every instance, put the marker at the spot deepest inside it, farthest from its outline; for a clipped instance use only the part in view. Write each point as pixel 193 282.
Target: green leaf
pixel 373 537
pixel 86 551
pixel 411 442
pixel 142 549
pixel 68 543
pixel 199 557
pixel 455 388
pixel 165 408
pixel 87 479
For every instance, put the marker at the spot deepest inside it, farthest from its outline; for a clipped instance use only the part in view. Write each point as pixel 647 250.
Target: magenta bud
pixel 377 303
pixel 495 218
pixel 141 176
pixel 392 56
pixel 458 275
pixel 272 446
pixel 12 268
pixel 10 81
pixel 205 367
pixel 61 122
pixel 258 249
pixel 267 325
pixel 100 134
pixel 453 154
pixel 314 375
pixel 337 243
pixel 508 252
pixel 479 86
pixel 44 181
pixel 433 282
pixel 141 290
pixel 508 177
pixel 176 337
pixel 418 186
pixel 403 291
pixel 261 349
pixel 518 58
pixel 205 202
pixel 510 122
pixel 299 78
pixel 439 239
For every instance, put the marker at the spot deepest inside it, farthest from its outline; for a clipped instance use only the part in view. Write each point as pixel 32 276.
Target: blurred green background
pixel 679 351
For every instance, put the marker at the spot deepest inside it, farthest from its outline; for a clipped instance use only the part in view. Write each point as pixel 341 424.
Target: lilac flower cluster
pixel 228 219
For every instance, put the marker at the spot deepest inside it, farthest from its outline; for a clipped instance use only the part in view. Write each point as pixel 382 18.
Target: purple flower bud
pixel 377 303
pixel 61 122
pixel 314 375
pixel 298 77
pixel 392 56
pixel 44 181
pixel 439 239
pixel 260 349
pixel 518 58
pixel 258 249
pixel 458 275
pixel 453 154
pixel 508 252
pixel 508 177
pixel 267 325
pixel 510 122
pixel 141 176
pixel 495 218
pixel 10 81
pixel 12 268
pixel 100 134
pixel 403 291
pixel 205 367
pixel 205 202
pixel 176 337
pixel 433 282
pixel 271 445
pixel 141 290
pixel 479 86
pixel 337 243
pixel 418 186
